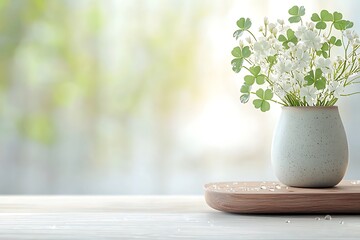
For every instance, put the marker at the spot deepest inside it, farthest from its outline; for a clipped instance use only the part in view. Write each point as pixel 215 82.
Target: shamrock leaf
pixel 271 60
pixel 239 54
pixel 324 50
pixel 255 77
pixel 236 64
pixel 343 25
pixel 325 16
pixel 334 41
pixel 335 18
pixel 290 37
pixel 316 78
pixel 243 24
pixel 262 103
pixel 245 89
pixel 296 13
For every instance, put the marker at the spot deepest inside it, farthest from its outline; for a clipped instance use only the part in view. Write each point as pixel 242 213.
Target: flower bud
pixel 274 31
pixel 241 43
pixel 271 26
pixel 311 25
pixel 266 21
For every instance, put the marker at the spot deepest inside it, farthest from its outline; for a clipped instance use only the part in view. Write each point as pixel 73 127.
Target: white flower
pixel 324 64
pixel 272 26
pixel 336 88
pixel 352 37
pixel 349 34
pixel 262 47
pixel 309 93
pixel 281 22
pixel 298 78
pixel 310 25
pixel 284 66
pixel 281 89
pixel 303 58
pixel 300 32
pixel 311 39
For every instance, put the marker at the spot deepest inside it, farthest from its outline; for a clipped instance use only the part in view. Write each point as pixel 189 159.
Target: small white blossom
pixel 281 89
pixel 248 40
pixel 310 25
pixel 284 66
pixel 266 21
pixel 271 26
pixel 335 88
pixel 262 47
pixel 311 39
pixel 324 64
pixel 300 31
pixel 349 35
pixel 281 22
pixel 303 58
pixel 241 43
pixel 298 78
pixel 309 93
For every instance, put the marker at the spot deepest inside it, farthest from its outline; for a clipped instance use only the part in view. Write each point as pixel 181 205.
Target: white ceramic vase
pixel 309 147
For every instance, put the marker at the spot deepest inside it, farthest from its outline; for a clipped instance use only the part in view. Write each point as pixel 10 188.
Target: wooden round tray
pixel 274 197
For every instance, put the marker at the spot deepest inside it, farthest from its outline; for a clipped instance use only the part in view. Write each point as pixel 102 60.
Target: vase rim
pixel 310 107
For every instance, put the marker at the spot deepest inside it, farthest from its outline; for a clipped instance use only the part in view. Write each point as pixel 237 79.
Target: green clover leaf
pixel 290 37
pixel 255 77
pixel 334 41
pixel 343 25
pixel 325 16
pixel 324 50
pixel 239 54
pixel 243 24
pixel 264 96
pixel 245 89
pixel 237 64
pixel 316 78
pixel 335 18
pixel 296 13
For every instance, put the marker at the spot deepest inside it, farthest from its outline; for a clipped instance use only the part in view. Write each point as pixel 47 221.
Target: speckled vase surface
pixel 309 147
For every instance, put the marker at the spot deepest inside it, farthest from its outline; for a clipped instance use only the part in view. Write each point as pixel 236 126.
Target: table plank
pixel 155 217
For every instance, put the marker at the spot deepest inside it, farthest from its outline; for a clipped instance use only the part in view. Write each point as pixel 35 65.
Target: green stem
pixel 330 30
pixel 252 34
pixel 350 94
pixel 278 102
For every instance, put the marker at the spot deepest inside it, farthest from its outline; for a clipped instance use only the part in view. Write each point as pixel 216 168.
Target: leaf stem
pixel 277 102
pixel 252 34
pixel 349 94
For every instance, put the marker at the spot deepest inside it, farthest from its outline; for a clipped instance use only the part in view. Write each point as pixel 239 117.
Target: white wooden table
pixel 155 217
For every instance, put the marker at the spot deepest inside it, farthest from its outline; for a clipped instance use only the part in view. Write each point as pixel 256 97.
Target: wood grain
pixel 273 197
pixel 155 217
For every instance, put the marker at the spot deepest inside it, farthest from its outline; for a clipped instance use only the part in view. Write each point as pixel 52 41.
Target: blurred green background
pixel 135 97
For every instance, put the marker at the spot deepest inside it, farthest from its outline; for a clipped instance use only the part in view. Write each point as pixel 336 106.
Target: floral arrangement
pixel 301 63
